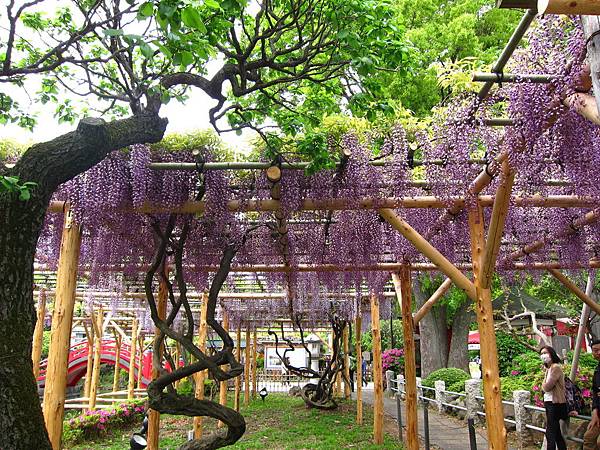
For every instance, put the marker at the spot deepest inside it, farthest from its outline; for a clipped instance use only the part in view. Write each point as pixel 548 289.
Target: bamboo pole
pixel 438 294
pixel 58 355
pixel 489 353
pixel 575 290
pixel 38 334
pixel 89 335
pixel 402 286
pixel 254 363
pixel 153 415
pixel 201 376
pixel 223 384
pixel 132 356
pixel 347 391
pixel 585 314
pixel 236 398
pixel 247 368
pixel 421 244
pixel 117 373
pixel 359 378
pixel 97 323
pixel 377 373
pixel 496 228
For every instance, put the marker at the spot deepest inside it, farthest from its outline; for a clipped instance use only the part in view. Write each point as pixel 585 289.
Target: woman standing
pixel 555 399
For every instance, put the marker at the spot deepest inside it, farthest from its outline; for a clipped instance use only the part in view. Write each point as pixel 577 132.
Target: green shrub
pixel 508 349
pixel 45 344
pixel 528 363
pixel 513 383
pixel 459 386
pixel 187 388
pixel 449 375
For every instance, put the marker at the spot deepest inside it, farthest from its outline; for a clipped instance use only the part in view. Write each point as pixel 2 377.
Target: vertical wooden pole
pixel 97 321
pixel 377 373
pixel 254 355
pixel 489 353
pixel 223 384
pixel 62 318
pixel 154 416
pixel 140 357
pixel 247 368
pixel 117 374
pixel 200 376
pixel 347 389
pixel 236 399
pixel 402 285
pixel 132 356
pixel 89 335
pixel 359 379
pixel 38 334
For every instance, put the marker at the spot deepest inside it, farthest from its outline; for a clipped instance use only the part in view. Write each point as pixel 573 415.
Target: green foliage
pixel 450 376
pixel 508 349
pixel 186 387
pixel 386 342
pixel 45 343
pixel 527 363
pixel 11 185
pixel 513 383
pixel 459 386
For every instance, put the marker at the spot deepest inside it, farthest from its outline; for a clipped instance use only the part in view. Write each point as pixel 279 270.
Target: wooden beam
pixel 140 362
pixel 132 356
pixel 437 295
pixel 254 362
pixel 403 287
pixel 345 337
pixel 238 380
pixel 457 277
pixel 62 317
pixel 359 374
pixel 117 372
pixel 38 334
pixel 223 384
pixel 247 368
pixel 489 353
pixel 575 290
pixel 97 320
pixel 201 376
pixel 89 335
pixel 377 373
pixel 496 229
pixel 568 7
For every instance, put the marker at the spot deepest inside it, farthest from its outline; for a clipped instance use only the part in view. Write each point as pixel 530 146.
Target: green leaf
pixel 111 32
pixel 146 50
pixel 212 4
pixel 186 58
pixel 146 10
pixel 24 194
pixel 191 18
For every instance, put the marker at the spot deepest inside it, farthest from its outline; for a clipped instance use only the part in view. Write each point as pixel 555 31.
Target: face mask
pixel 545 358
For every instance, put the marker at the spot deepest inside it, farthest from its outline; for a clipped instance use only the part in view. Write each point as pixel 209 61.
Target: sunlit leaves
pixel 11 185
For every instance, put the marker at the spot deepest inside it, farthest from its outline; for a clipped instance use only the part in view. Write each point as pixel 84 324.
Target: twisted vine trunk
pixel 48 165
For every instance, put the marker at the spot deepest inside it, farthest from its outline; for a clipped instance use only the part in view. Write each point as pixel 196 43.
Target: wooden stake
pixel 117 374
pixel 38 334
pixel 140 357
pixel 402 285
pixel 154 416
pixel 236 399
pixel 347 390
pixel 89 335
pixel 377 373
pixel 430 252
pixel 438 294
pixel 201 376
pixel 359 378
pixel 97 322
pixel 62 317
pixel 132 356
pixel 489 353
pixel 575 290
pixel 247 368
pixel 223 384
pixel 254 356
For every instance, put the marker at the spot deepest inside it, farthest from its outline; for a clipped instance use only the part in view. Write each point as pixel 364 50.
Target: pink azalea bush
pixel 393 359
pixel 93 423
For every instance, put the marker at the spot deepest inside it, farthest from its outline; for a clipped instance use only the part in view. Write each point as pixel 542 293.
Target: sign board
pixel 366 356
pixel 473 346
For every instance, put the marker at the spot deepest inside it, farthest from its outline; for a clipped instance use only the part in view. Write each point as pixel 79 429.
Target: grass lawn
pixel 281 422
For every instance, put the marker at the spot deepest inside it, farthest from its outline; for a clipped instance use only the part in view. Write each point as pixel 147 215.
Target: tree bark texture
pixel 48 164
pixel 459 352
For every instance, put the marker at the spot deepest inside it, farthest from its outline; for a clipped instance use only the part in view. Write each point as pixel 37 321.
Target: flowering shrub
pixel 393 359
pixel 93 423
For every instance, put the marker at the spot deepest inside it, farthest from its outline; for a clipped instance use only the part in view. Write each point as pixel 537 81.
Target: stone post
pixel 522 415
pixel 472 403
pixel 389 384
pixel 400 384
pixel 419 390
pixel 440 386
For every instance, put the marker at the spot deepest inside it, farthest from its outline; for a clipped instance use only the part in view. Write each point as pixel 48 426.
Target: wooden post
pixel 117 374
pixel 89 335
pixel 575 290
pixel 140 358
pixel 132 356
pixel 236 398
pixel 62 317
pixel 247 368
pixel 489 353
pixel 402 285
pixel 437 295
pixel 359 379
pixel 254 355
pixel 200 376
pixel 377 373
pixel 38 334
pixel 97 323
pixel 223 384
pixel 154 416
pixel 347 390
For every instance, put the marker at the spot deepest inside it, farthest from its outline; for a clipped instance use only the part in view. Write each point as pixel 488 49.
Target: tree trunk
pixel 433 332
pixel 459 353
pixel 48 165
